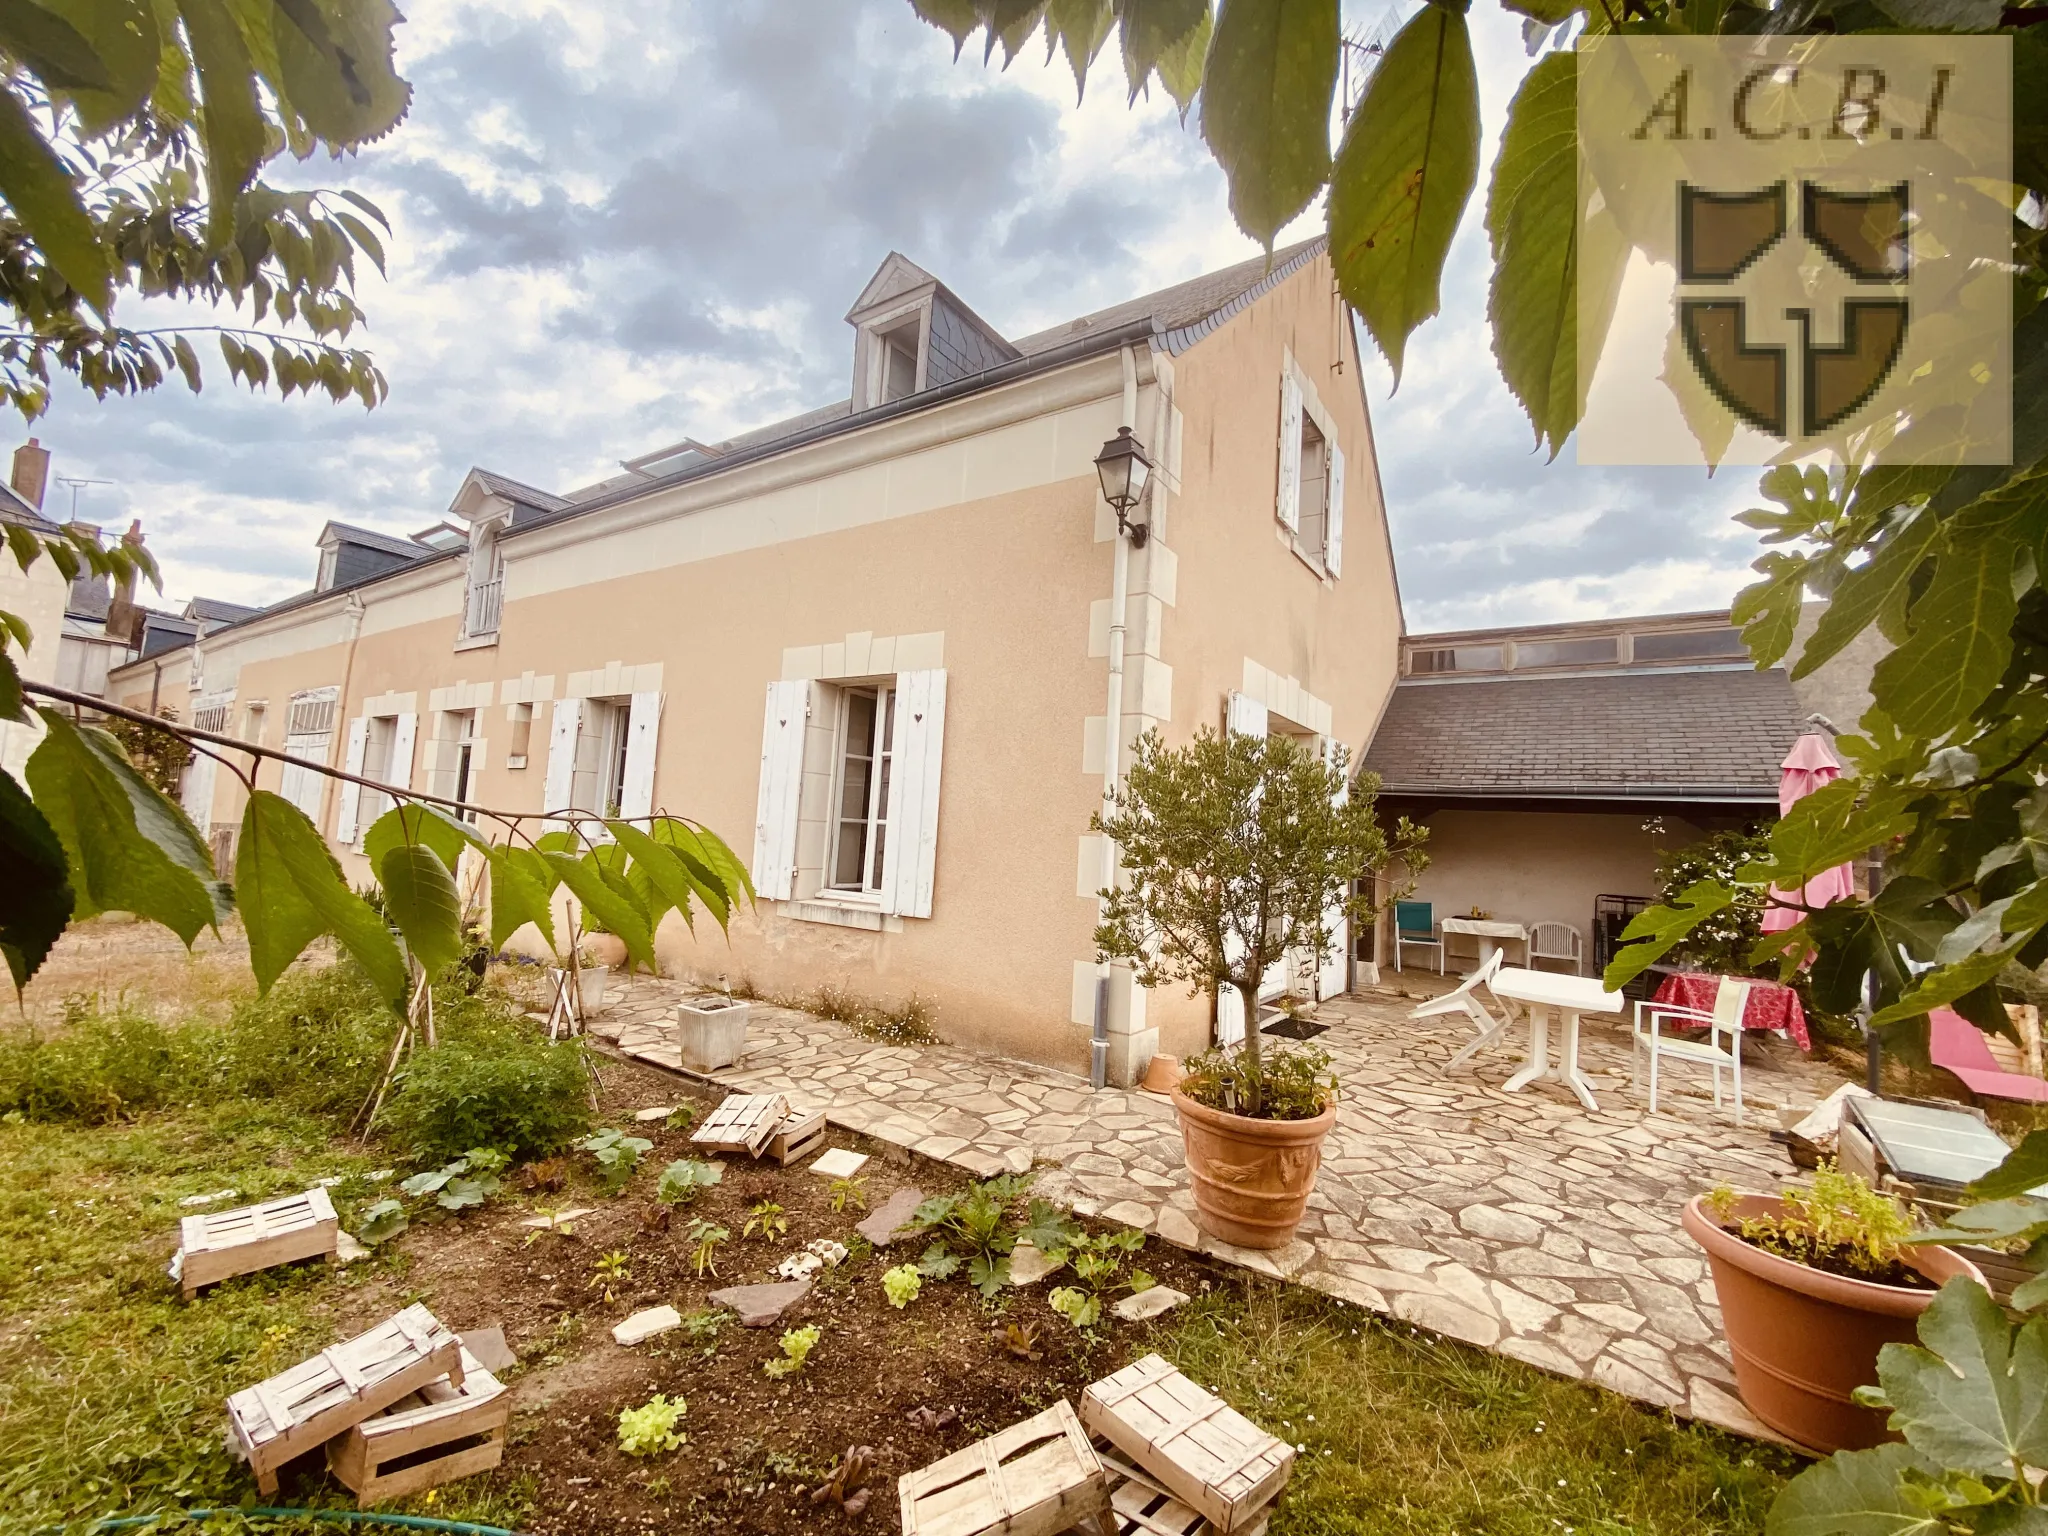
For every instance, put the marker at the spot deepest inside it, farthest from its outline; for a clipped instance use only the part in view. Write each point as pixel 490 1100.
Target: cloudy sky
pixel 617 226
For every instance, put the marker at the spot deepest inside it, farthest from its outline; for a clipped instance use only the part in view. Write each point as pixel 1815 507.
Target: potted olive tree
pixel 1237 851
pixel 1813 1284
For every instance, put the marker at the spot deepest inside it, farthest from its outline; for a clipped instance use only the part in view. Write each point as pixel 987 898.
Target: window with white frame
pixel 454 758
pixel 1310 499
pixel 379 748
pixel 601 755
pixel 308 738
pixel 849 793
pixel 860 799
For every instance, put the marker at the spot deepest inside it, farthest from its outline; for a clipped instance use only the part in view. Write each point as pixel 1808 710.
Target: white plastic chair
pixel 1465 1000
pixel 1725 1019
pixel 1557 941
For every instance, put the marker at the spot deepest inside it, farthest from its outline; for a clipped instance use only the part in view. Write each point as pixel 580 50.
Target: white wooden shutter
pixel 782 779
pixel 1289 505
pixel 352 794
pixel 1333 535
pixel 399 774
pixel 1333 977
pixel 910 854
pixel 643 726
pixel 198 792
pixel 1245 715
pixel 568 719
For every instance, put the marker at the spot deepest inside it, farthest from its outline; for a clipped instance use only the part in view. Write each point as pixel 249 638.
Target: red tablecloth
pixel 1770 1006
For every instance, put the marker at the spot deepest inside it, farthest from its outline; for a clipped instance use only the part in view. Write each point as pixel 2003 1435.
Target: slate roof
pixel 1676 735
pixel 214 610
pixel 14 510
pixel 519 491
pixel 370 538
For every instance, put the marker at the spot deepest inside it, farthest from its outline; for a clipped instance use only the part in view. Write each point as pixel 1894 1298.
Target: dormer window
pixel 911 334
pixel 324 581
pixel 899 362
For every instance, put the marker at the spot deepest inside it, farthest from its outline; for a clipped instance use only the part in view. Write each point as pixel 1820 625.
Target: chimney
pixel 31 475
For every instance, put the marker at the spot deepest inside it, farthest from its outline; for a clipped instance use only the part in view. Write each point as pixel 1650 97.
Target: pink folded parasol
pixel 1807 767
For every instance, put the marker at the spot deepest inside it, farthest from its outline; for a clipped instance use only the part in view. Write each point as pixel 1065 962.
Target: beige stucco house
pixel 870 645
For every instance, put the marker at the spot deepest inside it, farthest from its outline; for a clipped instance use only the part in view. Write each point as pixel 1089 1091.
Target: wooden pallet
pixel 317 1399
pixel 1138 1506
pixel 224 1244
pixel 429 1437
pixel 1192 1443
pixel 799 1136
pixel 1032 1479
pixel 742 1122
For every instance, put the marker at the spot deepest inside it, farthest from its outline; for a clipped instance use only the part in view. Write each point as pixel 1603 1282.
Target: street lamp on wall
pixel 1124 470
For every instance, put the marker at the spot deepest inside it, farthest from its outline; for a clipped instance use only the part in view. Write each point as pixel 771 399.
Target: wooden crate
pixel 224 1244
pixel 742 1122
pixel 1190 1441
pixel 798 1137
pixel 317 1399
pixel 1138 1506
pixel 1032 1479
pixel 429 1437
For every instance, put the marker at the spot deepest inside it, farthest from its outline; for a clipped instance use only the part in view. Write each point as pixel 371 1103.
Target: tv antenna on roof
pixel 1361 52
pixel 77 484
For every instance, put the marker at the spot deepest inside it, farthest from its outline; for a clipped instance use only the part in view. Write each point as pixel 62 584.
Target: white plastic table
pixel 1570 996
pixel 1488 931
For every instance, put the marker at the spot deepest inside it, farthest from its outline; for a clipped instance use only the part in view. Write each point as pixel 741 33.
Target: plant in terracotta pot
pixel 1812 1285
pixel 1967 1399
pixel 1240 853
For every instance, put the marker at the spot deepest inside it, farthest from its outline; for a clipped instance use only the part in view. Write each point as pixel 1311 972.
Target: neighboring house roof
pixel 369 538
pixel 1670 735
pixel 1186 306
pixel 14 510
pixel 166 632
pixel 89 598
pixel 515 490
pixel 212 610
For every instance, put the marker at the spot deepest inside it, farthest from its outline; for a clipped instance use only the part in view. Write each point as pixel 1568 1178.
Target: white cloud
pixel 617 226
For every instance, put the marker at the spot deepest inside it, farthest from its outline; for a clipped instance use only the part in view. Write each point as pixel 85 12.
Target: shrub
pixel 97 1068
pixel 505 1088
pixel 1721 942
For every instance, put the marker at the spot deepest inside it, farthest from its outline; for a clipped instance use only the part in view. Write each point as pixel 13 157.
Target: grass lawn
pixel 111 1387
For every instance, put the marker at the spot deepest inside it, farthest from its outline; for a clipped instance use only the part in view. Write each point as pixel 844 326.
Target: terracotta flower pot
pixel 1804 1340
pixel 606 949
pixel 1252 1178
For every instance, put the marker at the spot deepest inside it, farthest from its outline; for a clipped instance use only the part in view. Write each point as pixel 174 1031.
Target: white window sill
pixel 1311 561
pixel 842 913
pixel 477 642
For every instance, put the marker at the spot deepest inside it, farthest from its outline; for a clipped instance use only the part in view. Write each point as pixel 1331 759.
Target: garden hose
pixel 339 1516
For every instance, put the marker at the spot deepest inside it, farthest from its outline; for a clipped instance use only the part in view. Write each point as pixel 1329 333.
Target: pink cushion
pixel 1956 1045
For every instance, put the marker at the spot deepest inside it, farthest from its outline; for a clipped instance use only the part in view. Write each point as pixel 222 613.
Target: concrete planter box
pixel 711 1032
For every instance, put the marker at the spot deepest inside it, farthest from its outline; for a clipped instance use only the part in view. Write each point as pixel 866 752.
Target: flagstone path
pixel 1517 1222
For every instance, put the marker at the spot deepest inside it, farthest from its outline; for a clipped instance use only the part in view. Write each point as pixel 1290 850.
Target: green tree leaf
pixel 1768 610
pixel 616 912
pixel 1652 931
pixel 423 824
pixel 1962 628
pixel 102 54
pixel 522 882
pixel 1878 586
pixel 1271 72
pixel 1150 29
pixel 1976 1398
pixel 231 118
pixel 36 897
pixel 83 784
pixel 1407 166
pixel 41 194
pixel 1855 1493
pixel 1532 217
pixel 956 18
pixel 420 896
pixel 292 891
pixel 335 67
pixel 663 869
pixel 1078 28
pixel 11 705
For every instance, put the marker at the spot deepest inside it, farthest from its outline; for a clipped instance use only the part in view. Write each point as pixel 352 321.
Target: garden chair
pixel 1465 1000
pixel 1415 923
pixel 1557 941
pixel 1957 1046
pixel 1652 1018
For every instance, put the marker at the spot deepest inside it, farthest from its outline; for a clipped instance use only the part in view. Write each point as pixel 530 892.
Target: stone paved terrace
pixel 1518 1222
